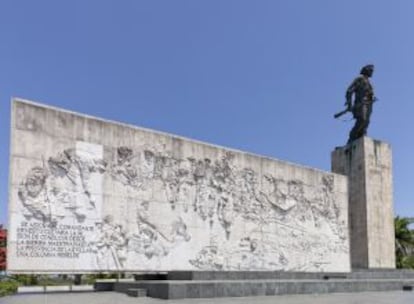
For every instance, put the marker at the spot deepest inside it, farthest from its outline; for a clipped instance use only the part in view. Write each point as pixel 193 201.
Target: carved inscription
pixel 38 240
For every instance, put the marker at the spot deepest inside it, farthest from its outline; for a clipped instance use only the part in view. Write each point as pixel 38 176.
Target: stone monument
pixel 368 165
pixel 90 195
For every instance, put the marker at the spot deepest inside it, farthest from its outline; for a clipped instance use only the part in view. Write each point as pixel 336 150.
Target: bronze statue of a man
pixel 361 104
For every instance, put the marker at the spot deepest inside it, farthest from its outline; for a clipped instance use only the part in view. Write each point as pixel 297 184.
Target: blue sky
pixel 261 76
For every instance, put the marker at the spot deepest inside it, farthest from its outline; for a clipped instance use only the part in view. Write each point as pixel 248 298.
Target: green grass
pixel 8 288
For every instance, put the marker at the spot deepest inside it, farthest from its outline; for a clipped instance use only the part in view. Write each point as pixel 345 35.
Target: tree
pixel 404 242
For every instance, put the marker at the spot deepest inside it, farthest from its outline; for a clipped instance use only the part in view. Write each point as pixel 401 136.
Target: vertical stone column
pixel 368 165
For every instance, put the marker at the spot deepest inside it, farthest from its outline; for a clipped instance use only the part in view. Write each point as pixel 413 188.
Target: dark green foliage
pixel 8 287
pixel 404 242
pixel 47 280
pixel 26 279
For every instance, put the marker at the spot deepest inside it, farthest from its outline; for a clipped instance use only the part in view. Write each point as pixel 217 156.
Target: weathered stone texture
pixel 368 164
pixel 92 195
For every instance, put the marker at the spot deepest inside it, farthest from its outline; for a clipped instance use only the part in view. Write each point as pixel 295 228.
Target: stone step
pixel 382 273
pixel 137 292
pixel 247 275
pixel 242 288
pixel 284 275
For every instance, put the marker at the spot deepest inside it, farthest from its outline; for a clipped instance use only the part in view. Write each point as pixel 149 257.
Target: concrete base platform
pixel 287 275
pixel 390 297
pixel 243 284
pixel 242 288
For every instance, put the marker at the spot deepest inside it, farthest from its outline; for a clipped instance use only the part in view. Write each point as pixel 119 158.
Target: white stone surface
pixel 368 164
pixel 61 288
pixel 31 289
pixel 98 196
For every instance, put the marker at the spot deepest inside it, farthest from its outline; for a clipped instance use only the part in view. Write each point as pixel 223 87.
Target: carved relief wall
pixel 90 195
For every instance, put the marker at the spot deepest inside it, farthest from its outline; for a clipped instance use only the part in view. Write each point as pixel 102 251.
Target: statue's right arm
pixel 351 89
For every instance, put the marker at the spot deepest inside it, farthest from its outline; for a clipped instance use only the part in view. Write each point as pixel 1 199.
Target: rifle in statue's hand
pixel 349 108
pixel 339 114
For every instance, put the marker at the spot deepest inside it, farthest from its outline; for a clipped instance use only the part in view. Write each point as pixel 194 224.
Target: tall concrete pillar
pixel 368 165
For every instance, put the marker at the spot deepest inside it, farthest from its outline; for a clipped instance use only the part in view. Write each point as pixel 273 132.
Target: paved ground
pixel 395 297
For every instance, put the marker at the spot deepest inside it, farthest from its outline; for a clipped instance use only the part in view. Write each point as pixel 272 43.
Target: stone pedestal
pixel 368 165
